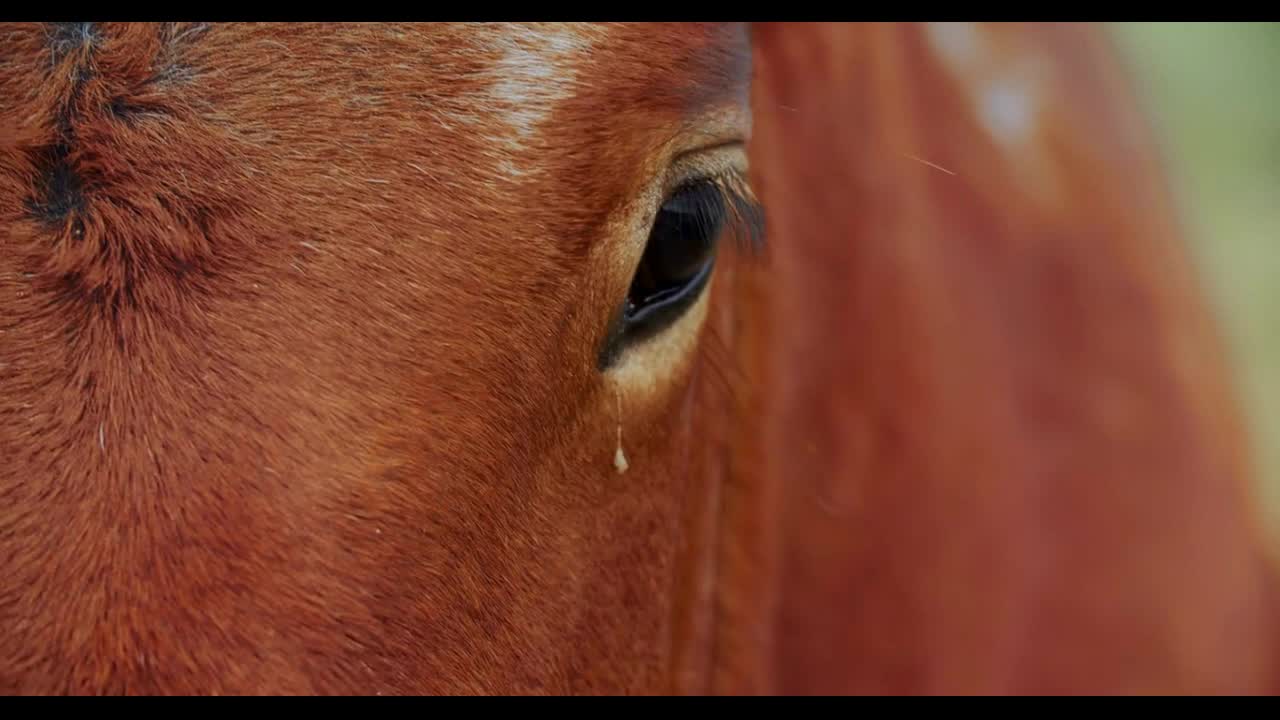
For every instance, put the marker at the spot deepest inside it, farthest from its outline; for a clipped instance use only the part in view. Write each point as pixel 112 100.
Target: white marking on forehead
pixel 999 81
pixel 1008 86
pixel 1008 111
pixel 956 42
pixel 537 70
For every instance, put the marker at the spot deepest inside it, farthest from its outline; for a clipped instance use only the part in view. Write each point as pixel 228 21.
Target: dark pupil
pixel 677 260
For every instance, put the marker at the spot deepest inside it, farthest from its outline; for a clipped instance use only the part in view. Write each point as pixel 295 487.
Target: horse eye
pixel 677 260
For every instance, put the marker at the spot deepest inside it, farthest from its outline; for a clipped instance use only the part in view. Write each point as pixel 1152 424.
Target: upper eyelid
pixel 708 161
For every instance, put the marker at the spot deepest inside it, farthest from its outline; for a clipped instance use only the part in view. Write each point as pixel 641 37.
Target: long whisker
pixel 930 164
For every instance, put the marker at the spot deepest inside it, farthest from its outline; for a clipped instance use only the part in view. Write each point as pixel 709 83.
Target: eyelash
pixel 680 254
pixel 745 216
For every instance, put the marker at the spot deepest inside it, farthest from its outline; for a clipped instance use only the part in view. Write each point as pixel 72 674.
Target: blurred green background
pixel 1213 90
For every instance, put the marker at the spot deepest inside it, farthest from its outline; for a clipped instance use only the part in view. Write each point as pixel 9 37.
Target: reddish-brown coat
pixel 297 361
pixel 995 405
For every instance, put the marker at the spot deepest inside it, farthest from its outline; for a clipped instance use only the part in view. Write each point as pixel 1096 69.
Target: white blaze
pixel 536 72
pixel 1007 111
pixel 955 42
pixel 1001 82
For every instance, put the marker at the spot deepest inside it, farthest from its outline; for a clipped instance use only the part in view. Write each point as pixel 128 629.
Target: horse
pixel 607 358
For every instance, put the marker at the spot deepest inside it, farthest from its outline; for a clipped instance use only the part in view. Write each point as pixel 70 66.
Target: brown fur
pixel 1001 453
pixel 300 391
